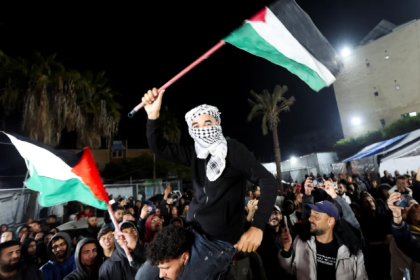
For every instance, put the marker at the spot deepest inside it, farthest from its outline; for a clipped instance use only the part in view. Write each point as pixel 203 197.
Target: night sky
pixel 143 44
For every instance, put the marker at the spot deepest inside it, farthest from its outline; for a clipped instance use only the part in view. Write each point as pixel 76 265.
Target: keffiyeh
pixel 209 140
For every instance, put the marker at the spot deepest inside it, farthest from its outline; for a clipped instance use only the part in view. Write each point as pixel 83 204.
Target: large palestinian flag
pixel 60 176
pixel 285 35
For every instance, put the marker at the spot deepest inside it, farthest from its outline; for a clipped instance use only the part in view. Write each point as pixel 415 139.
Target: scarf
pixel 209 140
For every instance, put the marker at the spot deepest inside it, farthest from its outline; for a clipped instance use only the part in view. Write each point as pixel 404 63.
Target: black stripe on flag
pixel 300 25
pixel 69 158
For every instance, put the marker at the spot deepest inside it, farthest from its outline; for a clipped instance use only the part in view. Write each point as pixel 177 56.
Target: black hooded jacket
pixel 218 205
pixel 80 273
pixel 118 267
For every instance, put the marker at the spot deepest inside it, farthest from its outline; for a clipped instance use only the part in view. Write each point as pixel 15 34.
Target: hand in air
pixel 152 103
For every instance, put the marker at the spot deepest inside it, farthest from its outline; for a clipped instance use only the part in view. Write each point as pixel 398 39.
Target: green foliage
pixel 348 147
pixel 142 168
pixel 51 99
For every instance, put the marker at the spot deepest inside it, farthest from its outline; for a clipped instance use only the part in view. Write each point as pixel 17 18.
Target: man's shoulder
pixel 47 266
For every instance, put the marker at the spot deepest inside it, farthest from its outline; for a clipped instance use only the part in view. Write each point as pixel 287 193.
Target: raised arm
pixel 157 143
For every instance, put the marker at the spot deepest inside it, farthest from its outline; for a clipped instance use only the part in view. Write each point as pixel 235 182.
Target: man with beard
pixel 119 212
pixel 342 190
pixel 11 266
pixel 118 266
pixel 61 258
pixel 332 250
pixel 271 245
pixel 88 258
pixel 92 230
pixel 220 168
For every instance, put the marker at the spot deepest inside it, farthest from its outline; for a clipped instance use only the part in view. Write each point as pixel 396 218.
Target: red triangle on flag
pixel 260 16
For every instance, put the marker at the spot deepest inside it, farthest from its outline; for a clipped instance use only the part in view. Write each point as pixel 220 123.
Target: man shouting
pixel 220 168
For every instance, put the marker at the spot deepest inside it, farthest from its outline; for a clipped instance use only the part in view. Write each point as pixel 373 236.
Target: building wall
pixel 356 86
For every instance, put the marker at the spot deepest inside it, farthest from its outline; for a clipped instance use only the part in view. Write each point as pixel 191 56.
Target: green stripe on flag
pixel 247 39
pixel 53 191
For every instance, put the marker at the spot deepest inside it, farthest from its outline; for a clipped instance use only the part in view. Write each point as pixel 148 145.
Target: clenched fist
pixel 152 102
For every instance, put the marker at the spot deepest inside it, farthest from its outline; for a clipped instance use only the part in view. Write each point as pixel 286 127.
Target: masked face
pixel 59 248
pixel 9 260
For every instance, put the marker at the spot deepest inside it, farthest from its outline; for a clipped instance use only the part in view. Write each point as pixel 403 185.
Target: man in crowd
pixel 88 259
pixel 11 265
pixel 41 248
pixel 52 222
pixel 402 187
pixel 6 236
pixel 106 240
pixel 326 253
pixel 118 266
pixel 61 261
pixel 118 212
pixel 37 231
pixel 296 216
pixel 387 179
pixel 220 168
pixel 92 229
pixel 341 191
pixel 128 217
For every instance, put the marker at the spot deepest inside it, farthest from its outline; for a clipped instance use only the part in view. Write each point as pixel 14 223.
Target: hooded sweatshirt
pixel 55 270
pixel 80 273
pixel 19 230
pixel 118 267
pixel 150 233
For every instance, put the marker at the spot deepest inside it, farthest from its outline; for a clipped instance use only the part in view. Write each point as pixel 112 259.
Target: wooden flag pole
pixel 182 73
pixel 118 231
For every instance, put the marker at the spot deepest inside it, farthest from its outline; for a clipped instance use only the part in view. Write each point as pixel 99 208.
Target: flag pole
pixel 117 230
pixel 182 73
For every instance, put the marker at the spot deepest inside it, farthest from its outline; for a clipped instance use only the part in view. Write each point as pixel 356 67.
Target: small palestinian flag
pixel 60 176
pixel 285 35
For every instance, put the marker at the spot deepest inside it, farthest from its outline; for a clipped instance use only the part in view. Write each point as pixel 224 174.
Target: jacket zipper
pixel 204 188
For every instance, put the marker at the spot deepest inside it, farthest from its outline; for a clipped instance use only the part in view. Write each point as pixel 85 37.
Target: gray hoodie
pixel 80 273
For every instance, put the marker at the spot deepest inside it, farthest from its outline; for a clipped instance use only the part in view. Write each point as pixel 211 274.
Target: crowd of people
pixel 233 224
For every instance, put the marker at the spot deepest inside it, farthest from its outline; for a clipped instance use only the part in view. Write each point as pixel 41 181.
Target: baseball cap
pixel 276 208
pixel 325 207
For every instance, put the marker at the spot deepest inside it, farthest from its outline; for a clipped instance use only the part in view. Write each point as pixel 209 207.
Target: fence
pixel 17 205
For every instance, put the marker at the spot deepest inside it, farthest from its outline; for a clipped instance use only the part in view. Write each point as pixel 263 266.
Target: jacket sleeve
pixel 348 214
pixel 164 149
pixel 405 241
pixel 245 162
pixel 288 263
pixel 364 181
pixel 361 273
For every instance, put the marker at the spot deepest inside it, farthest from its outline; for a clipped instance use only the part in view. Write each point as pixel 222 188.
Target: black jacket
pixel 218 206
pixel 118 267
pixel 80 273
pixel 29 272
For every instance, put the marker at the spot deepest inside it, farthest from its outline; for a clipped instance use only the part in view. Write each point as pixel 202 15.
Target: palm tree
pixel 269 106
pixel 53 99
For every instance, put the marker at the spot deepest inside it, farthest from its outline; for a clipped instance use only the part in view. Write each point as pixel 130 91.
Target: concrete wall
pixel 355 87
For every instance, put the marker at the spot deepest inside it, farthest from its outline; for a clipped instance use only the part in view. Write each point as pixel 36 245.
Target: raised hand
pixel 152 103
pixel 309 186
pixel 286 239
pixel 329 189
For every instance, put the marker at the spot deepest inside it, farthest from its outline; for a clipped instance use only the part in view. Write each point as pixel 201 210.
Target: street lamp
pixel 356 121
pixel 293 159
pixel 345 52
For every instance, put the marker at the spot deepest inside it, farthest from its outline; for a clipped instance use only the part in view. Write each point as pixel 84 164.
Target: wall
pixel 355 87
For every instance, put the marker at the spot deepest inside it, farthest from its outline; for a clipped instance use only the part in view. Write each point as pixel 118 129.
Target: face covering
pixel 209 140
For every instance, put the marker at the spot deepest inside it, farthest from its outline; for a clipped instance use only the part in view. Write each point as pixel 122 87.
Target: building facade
pixel 380 82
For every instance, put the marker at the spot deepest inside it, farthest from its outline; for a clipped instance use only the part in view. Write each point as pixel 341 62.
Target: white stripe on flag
pixel 277 35
pixel 46 163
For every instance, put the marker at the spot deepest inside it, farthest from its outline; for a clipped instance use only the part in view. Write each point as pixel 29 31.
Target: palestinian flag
pixel 60 176
pixel 285 35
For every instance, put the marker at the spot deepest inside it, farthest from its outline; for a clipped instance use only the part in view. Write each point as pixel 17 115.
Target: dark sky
pixel 143 44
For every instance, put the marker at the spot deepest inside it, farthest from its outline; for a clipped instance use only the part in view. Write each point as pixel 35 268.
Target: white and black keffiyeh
pixel 209 140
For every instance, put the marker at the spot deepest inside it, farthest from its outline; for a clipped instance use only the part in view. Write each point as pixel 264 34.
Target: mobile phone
pixel 404 202
pixel 285 223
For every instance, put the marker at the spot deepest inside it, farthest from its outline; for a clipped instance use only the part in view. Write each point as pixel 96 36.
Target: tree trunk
pixel 278 156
